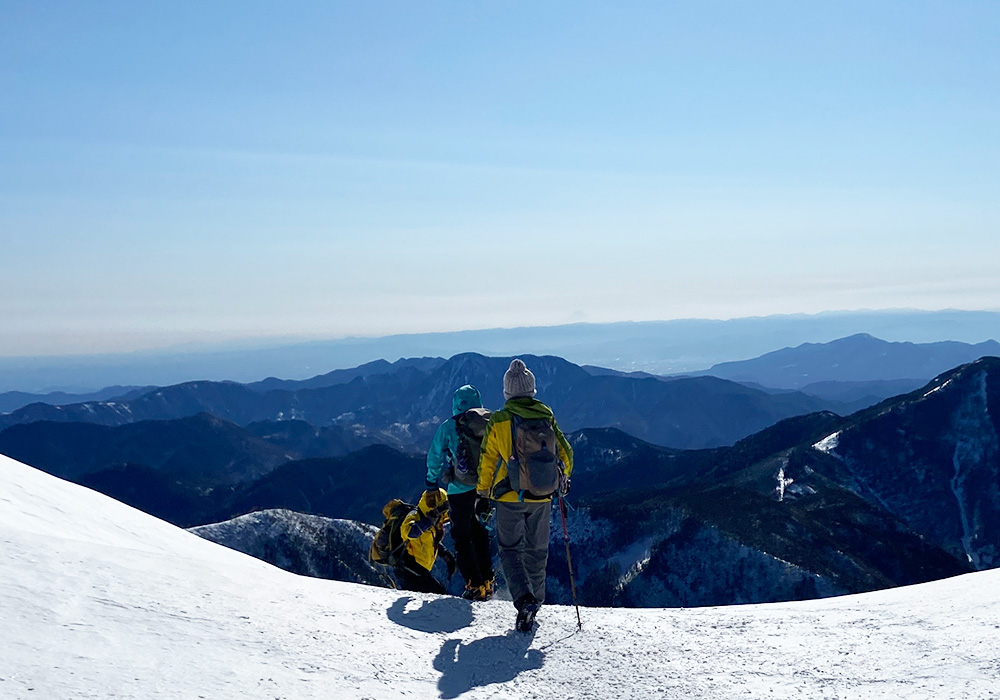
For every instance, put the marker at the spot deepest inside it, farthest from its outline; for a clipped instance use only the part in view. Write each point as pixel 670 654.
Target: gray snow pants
pixel 523 535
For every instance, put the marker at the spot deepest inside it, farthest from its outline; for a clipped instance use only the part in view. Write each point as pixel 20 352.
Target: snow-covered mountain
pixel 98 600
pixel 932 458
pixel 310 545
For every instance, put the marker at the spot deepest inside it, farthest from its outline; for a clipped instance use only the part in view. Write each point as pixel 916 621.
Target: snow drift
pixel 98 600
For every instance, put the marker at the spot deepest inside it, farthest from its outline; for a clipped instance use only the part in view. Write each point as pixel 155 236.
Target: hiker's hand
pixel 564 486
pixel 483 506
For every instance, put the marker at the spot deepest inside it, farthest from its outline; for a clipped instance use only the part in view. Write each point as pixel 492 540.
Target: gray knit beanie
pixel 518 381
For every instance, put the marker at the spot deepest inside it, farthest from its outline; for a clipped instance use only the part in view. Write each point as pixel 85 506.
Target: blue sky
pixel 203 172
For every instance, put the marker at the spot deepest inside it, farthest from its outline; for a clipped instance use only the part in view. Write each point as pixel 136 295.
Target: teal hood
pixel 466 397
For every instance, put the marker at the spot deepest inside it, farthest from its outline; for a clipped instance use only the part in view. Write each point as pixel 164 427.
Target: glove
pixel 483 506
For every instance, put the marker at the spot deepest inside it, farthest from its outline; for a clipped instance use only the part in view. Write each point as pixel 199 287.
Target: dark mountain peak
pixel 594 447
pixel 858 339
pixel 856 358
pixel 987 363
pixel 545 364
pixel 471 362
pixel 788 433
pixel 851 345
pixel 486 374
pixel 948 386
pixel 424 364
pixel 344 376
pixel 932 457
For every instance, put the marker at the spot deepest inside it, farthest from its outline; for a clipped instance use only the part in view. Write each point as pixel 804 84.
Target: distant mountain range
pixel 198 470
pixel 856 359
pixel 402 404
pixel 13 400
pixel 849 373
pixel 657 347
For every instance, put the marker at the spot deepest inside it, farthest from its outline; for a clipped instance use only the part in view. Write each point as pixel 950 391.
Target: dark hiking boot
pixel 527 608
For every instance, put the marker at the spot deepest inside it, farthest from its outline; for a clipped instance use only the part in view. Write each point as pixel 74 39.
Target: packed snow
pixel 98 600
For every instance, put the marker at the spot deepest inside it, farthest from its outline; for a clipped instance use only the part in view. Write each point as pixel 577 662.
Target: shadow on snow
pixel 441 615
pixel 485 662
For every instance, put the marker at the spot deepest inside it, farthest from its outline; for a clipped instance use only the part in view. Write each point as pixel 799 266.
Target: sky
pixel 105 601
pixel 192 172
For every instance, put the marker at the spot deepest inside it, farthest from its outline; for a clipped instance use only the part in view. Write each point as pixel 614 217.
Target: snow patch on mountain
pixel 828 445
pixel 938 388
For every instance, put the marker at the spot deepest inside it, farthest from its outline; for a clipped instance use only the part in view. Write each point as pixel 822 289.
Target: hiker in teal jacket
pixel 444 465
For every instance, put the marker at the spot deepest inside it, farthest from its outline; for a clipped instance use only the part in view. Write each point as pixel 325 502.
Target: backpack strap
pixel 515 420
pixel 513 437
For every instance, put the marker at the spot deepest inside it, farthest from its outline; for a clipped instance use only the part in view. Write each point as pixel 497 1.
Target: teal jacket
pixel 444 446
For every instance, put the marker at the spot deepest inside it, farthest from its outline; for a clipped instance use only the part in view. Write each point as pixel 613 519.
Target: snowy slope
pixel 98 600
pixel 301 543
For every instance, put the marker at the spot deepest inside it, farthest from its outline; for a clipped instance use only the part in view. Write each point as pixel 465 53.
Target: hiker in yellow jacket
pixel 422 531
pixel 524 432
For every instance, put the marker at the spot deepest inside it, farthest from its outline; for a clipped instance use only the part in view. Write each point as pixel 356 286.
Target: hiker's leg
pixel 429 584
pixel 536 547
pixel 463 520
pixel 413 577
pixel 510 537
pixel 481 549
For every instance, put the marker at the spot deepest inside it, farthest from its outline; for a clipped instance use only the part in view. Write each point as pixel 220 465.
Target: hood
pixel 466 397
pixel 394 506
pixel 528 407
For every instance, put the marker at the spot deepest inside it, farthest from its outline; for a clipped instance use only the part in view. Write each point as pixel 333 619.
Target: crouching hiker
pixel 526 460
pixel 453 459
pixel 422 531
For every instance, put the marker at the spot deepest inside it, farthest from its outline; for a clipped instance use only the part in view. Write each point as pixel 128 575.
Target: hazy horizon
pixel 203 343
pixel 662 347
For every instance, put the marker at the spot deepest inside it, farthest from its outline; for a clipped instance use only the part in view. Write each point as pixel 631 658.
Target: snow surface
pixel 98 600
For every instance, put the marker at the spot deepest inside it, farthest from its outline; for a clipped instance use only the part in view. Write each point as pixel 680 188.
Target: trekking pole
pixel 569 561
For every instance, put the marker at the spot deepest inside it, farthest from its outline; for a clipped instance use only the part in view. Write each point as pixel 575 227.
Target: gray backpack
pixel 534 468
pixel 471 427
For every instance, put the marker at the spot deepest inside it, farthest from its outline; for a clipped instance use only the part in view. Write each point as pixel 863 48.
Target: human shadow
pixel 485 662
pixel 440 615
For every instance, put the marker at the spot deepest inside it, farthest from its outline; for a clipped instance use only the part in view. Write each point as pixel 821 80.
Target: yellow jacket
pixel 423 529
pixel 498 448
